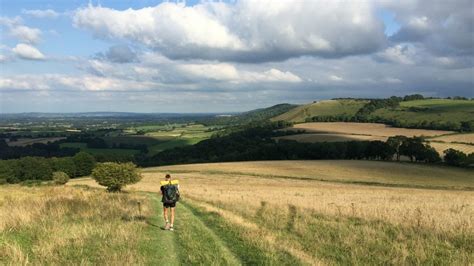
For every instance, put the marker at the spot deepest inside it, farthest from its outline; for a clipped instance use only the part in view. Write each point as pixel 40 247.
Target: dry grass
pixel 63 225
pixel 441 147
pixel 312 138
pixel 463 138
pixel 369 129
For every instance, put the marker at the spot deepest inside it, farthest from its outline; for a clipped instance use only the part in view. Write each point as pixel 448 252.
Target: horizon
pixel 228 56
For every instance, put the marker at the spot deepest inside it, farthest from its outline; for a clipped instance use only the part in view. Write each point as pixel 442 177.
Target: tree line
pixel 42 169
pixel 258 143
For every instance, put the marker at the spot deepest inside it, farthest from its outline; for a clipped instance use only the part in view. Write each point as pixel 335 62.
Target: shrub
pixel 116 175
pixel 60 178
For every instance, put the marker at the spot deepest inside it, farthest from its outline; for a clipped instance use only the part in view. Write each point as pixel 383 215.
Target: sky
pixel 228 56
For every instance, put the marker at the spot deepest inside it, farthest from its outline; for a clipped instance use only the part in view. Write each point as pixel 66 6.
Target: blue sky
pixel 193 56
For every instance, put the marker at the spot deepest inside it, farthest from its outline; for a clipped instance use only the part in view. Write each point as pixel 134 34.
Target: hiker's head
pixel 167 176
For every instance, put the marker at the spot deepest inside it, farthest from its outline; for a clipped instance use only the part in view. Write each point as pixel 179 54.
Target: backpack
pixel 170 193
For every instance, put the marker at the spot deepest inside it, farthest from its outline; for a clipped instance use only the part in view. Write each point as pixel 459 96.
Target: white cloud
pixel 335 78
pixel 37 13
pixel 248 30
pixel 400 54
pixel 28 52
pixel 26 34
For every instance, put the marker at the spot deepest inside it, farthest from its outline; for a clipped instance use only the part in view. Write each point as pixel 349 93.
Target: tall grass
pixel 64 225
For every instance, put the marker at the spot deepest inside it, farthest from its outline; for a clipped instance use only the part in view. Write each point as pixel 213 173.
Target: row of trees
pixel 40 168
pixel 37 149
pixel 258 144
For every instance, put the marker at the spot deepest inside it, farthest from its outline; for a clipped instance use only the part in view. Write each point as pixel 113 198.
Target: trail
pixel 160 248
pixel 192 242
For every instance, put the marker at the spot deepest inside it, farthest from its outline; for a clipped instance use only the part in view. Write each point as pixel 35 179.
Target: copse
pixel 116 175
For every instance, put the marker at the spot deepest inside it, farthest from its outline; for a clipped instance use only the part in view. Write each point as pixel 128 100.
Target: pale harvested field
pixel 24 142
pixel 312 138
pixel 464 138
pixel 369 129
pixel 245 185
pixel 441 147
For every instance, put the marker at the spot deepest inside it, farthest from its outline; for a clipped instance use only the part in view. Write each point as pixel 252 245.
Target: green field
pixel 431 110
pixel 321 108
pixel 417 113
pixel 178 136
pixel 83 147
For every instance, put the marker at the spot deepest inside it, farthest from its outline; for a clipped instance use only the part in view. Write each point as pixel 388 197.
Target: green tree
pixel 454 157
pixel 116 175
pixel 60 178
pixel 32 168
pixel 84 163
pixel 65 164
pixel 396 142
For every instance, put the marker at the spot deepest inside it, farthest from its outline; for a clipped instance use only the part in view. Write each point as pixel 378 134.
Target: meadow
pixel 319 212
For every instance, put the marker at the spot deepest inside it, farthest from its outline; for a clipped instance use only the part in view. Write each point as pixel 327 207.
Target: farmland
pixel 345 131
pixel 316 212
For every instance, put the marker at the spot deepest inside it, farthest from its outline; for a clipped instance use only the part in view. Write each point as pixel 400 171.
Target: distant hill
pixel 321 108
pixel 262 114
pixel 445 114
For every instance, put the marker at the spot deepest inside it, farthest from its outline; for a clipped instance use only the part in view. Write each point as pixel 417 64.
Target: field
pixel 318 212
pixel 436 110
pixel 321 108
pixel 178 135
pixel 345 131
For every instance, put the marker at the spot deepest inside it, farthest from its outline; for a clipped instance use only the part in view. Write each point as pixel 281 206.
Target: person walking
pixel 170 195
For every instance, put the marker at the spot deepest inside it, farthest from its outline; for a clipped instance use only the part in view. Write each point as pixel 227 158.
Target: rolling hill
pixel 446 114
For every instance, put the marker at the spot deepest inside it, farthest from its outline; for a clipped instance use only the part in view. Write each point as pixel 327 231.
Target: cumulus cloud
pixel 119 54
pixel 443 28
pixel 400 54
pixel 26 34
pixel 38 13
pixel 247 31
pixel 28 52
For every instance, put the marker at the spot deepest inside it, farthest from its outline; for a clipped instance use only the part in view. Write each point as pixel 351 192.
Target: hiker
pixel 170 195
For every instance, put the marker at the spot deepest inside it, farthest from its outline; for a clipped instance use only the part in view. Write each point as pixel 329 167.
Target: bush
pixel 454 157
pixel 116 175
pixel 60 178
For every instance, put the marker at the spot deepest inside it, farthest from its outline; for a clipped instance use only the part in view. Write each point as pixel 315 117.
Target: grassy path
pixel 160 246
pixel 192 242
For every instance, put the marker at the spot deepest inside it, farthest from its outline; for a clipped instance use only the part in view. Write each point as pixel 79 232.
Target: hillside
pixel 321 108
pixel 445 114
pixel 256 115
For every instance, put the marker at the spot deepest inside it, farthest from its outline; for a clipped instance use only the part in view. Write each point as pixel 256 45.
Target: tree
pixel 84 163
pixel 395 142
pixel 65 165
pixel 454 157
pixel 116 175
pixel 31 168
pixel 60 178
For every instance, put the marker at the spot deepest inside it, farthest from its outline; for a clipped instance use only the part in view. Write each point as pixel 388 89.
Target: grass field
pixel 178 136
pixel 436 110
pixel 444 111
pixel 321 108
pixel 320 212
